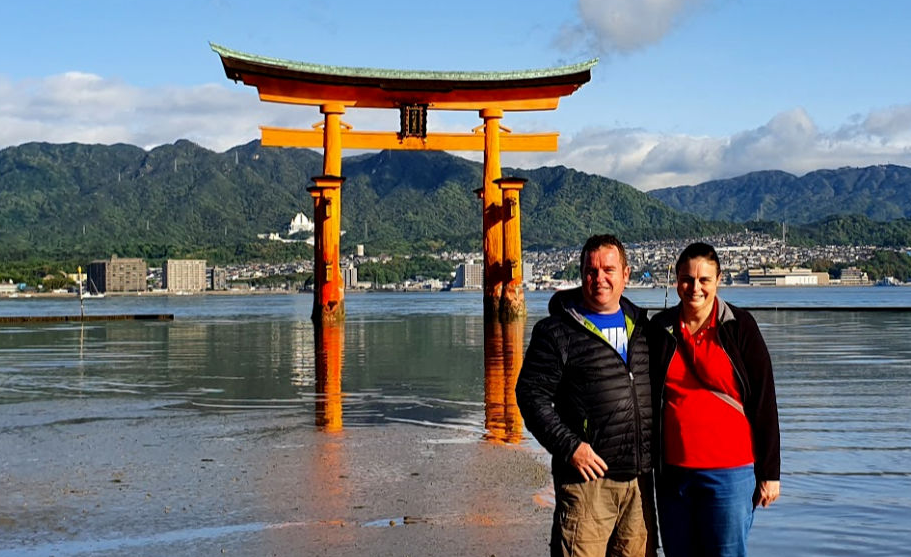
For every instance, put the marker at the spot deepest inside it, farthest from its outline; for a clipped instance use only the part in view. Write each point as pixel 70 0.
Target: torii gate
pixel 413 93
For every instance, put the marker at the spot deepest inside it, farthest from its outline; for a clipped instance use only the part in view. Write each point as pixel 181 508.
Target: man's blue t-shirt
pixel 613 327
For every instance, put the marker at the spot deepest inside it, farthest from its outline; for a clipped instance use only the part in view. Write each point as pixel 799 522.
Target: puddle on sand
pixel 89 547
pixel 397 521
pixel 545 496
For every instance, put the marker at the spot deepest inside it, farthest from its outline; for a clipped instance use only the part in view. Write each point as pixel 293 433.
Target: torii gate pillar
pixel 512 301
pixel 332 138
pixel 492 218
pixel 328 287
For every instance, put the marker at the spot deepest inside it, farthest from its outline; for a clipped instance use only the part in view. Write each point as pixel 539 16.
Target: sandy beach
pixel 83 477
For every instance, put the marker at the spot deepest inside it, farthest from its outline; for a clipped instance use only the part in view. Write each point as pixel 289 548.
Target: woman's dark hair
pixel 698 249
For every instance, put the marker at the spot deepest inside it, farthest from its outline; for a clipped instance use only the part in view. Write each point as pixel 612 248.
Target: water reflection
pixel 329 340
pixel 502 362
pixel 366 396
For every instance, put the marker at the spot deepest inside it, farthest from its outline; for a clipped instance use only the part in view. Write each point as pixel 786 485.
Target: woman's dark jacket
pixel 575 387
pixel 740 337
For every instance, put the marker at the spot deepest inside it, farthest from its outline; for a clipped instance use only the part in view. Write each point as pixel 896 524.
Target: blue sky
pixel 685 90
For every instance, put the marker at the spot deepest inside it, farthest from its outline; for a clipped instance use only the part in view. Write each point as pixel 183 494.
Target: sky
pixel 685 91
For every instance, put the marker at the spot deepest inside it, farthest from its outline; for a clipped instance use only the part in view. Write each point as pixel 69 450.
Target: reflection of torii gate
pixel 413 93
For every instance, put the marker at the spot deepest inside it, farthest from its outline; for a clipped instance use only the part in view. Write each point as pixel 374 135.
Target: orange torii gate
pixel 334 89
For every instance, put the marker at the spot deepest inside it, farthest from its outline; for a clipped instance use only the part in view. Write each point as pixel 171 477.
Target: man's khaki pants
pixel 604 517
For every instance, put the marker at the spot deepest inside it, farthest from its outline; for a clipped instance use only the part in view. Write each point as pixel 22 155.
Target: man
pixel 585 395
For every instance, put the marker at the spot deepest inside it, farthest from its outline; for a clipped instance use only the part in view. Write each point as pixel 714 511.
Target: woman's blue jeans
pixel 705 513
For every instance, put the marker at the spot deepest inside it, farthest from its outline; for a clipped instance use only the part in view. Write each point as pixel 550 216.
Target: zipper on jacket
pixel 635 395
pixel 741 376
pixel 662 400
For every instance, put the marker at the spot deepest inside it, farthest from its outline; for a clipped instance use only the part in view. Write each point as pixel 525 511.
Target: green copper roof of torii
pixel 409 75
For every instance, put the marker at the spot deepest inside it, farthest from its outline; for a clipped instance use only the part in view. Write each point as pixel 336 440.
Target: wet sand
pixel 135 478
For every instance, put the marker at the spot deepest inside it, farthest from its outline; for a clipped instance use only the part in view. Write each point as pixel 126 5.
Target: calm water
pixel 843 379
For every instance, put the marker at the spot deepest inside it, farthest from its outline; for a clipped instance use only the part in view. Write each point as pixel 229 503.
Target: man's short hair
pixel 597 242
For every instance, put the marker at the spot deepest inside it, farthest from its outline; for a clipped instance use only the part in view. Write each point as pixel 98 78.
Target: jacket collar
pixel 568 302
pixel 725 313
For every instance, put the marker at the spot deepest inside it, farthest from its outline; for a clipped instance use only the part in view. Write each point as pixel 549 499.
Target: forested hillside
pixel 63 201
pixel 880 193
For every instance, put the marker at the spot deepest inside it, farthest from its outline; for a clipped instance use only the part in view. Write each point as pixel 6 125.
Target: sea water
pixel 843 379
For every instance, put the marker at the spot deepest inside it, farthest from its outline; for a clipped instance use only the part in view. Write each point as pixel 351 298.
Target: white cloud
pixel 637 157
pixel 773 145
pixel 890 124
pixel 609 26
pixel 790 141
pixel 85 108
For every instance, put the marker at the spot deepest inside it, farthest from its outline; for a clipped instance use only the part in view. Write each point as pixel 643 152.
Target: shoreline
pixel 250 292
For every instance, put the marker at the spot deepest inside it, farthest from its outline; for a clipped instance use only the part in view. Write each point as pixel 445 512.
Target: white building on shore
pixel 792 276
pixel 184 275
pixel 469 275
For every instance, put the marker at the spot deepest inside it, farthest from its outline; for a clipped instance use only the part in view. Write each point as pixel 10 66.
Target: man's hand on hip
pixel 588 463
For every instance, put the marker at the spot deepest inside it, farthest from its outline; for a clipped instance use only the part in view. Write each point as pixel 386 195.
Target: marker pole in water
pixel 81 299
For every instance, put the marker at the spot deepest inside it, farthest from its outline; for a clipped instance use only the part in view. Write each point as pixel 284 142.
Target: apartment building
pixel 117 274
pixel 469 275
pixel 184 275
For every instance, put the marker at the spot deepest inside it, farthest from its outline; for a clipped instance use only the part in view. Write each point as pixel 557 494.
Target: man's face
pixel 603 278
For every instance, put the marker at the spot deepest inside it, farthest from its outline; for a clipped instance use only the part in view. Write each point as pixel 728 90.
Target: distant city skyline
pixel 685 91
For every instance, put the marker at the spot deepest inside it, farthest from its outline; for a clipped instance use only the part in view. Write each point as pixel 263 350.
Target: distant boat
pixel 888 281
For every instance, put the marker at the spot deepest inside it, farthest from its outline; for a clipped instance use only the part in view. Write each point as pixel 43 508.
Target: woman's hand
pixel 768 493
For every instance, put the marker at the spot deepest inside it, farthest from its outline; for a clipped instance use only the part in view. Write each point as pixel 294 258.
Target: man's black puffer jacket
pixel 575 387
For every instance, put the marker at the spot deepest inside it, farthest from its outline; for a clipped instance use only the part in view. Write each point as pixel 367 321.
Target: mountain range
pixel 881 193
pixel 65 201
pixel 93 200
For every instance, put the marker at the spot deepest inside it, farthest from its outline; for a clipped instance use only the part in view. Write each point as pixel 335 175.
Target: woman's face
pixel 697 284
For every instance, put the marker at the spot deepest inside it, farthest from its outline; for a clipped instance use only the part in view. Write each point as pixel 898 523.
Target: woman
pixel 717 414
